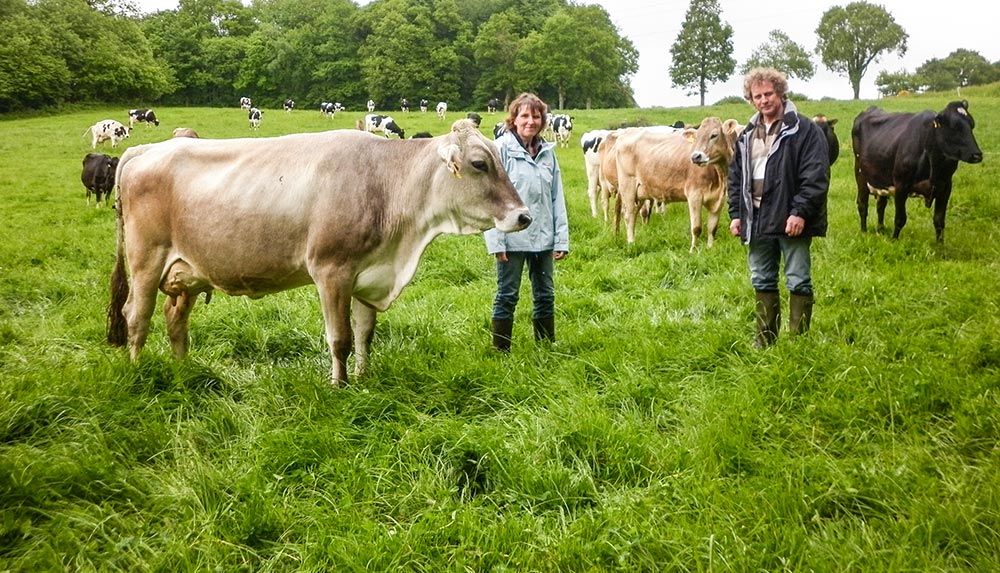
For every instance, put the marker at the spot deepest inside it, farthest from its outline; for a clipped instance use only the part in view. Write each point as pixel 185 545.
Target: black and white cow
pixel 423 105
pixel 499 129
pixel 442 109
pixel 107 129
pixel 492 105
pixel 328 108
pixel 142 115
pixel 404 105
pixel 254 115
pixel 289 105
pixel 906 154
pixel 98 175
pixel 562 128
pixel 384 123
pixel 245 103
pixel 371 105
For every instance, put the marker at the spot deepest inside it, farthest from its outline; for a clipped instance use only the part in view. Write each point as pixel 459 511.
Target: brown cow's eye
pixel 480 165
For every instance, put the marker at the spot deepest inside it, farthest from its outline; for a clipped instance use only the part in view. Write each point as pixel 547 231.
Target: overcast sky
pixel 935 30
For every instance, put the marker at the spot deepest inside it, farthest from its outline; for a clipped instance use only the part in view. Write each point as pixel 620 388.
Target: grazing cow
pixel 254 116
pixel 475 117
pixel 423 105
pixel 442 109
pixel 371 105
pixel 689 165
pixel 421 135
pixel 107 129
pixel 185 132
pixel 591 142
pixel 98 175
pixel 142 115
pixel 906 154
pixel 384 123
pixel 245 104
pixel 492 105
pixel 258 216
pixel 404 105
pixel 327 108
pixel 832 143
pixel 289 105
pixel 562 129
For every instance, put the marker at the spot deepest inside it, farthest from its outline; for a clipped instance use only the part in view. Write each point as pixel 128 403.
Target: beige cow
pixel 689 166
pixel 258 216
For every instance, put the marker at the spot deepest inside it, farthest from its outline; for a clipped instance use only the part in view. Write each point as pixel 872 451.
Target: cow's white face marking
pixel 961 111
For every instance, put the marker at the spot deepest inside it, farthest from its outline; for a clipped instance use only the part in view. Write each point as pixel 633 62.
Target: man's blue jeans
pixel 764 257
pixel 543 290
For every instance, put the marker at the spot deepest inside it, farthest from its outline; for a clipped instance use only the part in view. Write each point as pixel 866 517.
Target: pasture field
pixel 650 437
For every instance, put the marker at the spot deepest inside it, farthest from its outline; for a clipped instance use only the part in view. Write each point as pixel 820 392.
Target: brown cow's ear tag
pixel 690 138
pixel 450 153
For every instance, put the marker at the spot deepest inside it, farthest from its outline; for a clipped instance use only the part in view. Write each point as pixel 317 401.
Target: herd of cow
pixel 255 217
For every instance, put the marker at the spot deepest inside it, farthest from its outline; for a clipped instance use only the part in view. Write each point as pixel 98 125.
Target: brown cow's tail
pixel 117 325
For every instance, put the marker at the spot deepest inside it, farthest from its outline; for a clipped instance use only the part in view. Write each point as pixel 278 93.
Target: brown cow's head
pixel 713 142
pixel 484 196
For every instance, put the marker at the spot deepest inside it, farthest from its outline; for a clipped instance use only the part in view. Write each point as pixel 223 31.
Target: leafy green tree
pixel 702 54
pixel 495 51
pixel 414 50
pixel 204 42
pixel 31 75
pixel 851 38
pixel 893 83
pixel 577 53
pixel 781 53
pixel 960 69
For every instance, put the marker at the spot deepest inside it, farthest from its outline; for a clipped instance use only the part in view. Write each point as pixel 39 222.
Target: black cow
pixel 492 105
pixel 143 115
pixel 826 126
pixel 905 154
pixel 98 175
pixel 475 117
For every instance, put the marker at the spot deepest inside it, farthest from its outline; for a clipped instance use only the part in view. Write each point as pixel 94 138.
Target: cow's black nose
pixel 976 158
pixel 524 219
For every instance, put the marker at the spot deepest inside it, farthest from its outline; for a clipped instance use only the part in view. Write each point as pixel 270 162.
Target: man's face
pixel 766 100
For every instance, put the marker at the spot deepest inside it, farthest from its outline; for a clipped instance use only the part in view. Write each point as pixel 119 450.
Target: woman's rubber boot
pixel 800 313
pixel 768 313
pixel 502 329
pixel 545 328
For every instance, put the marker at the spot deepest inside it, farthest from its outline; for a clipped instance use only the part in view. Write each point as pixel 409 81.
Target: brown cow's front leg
pixel 177 310
pixel 335 299
pixel 363 318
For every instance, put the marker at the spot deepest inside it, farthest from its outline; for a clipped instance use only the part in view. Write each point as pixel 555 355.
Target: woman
pixel 532 166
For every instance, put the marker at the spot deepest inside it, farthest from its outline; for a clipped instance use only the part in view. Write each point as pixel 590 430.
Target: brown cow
pixel 689 165
pixel 258 216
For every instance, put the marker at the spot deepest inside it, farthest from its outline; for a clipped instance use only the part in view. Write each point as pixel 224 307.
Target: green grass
pixel 651 437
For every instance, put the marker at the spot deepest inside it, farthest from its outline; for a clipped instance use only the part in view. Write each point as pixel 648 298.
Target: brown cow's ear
pixel 451 154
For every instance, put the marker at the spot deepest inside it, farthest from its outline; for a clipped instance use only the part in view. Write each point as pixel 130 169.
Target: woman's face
pixel 527 122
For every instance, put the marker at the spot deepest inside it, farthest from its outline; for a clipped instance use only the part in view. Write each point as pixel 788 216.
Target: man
pixel 778 183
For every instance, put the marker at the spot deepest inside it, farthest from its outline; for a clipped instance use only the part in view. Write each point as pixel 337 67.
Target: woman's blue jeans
pixel 543 290
pixel 764 257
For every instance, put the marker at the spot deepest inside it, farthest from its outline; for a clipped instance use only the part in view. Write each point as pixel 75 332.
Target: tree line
pixel 466 52
pixel 211 52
